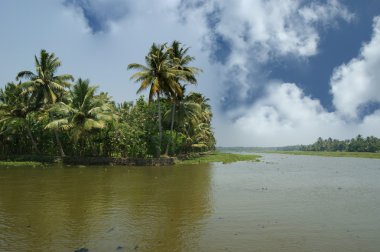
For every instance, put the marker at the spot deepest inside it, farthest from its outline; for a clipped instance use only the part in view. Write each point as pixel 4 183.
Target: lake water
pixel 283 203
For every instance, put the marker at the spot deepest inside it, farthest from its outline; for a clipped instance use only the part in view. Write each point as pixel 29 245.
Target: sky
pixel 277 72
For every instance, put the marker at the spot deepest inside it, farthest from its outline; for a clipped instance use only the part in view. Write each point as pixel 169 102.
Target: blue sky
pixel 277 72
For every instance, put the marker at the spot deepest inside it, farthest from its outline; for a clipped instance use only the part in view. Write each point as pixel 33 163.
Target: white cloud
pixel 358 82
pixel 258 32
pixel 276 28
pixel 284 115
pixel 325 13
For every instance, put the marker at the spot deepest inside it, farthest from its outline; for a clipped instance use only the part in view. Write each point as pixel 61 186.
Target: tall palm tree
pixel 44 85
pixel 186 116
pixel 180 60
pixel 159 76
pixel 86 112
pixel 202 135
pixel 16 108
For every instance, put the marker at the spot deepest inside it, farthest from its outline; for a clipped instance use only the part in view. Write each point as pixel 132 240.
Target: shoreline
pixel 193 158
pixel 330 154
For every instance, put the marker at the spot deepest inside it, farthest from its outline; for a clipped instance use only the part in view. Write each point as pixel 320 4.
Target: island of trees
pixel 357 144
pixel 43 113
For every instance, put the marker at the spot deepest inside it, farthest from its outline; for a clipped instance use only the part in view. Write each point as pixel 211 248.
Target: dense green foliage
pixel 49 115
pixel 358 144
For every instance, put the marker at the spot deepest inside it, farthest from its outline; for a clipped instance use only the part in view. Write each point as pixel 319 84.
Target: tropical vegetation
pixel 357 144
pixel 45 113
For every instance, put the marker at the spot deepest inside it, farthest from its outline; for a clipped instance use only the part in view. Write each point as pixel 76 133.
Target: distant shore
pixel 331 154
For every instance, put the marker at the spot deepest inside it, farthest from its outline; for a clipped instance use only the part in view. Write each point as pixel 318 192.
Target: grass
pixel 19 163
pixel 220 157
pixel 332 154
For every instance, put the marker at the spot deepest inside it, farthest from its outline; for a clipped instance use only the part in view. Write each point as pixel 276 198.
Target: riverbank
pixel 19 164
pixel 31 160
pixel 220 157
pixel 194 158
pixel 331 154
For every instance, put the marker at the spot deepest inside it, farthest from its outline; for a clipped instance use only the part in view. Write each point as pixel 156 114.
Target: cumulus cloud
pixel 275 28
pixel 243 36
pixel 357 83
pixel 284 115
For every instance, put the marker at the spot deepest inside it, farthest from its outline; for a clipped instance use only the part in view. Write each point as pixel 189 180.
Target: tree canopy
pixel 45 113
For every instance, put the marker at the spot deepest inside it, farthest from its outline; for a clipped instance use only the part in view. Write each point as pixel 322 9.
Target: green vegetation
pixel 332 154
pixel 19 164
pixel 49 114
pixel 220 157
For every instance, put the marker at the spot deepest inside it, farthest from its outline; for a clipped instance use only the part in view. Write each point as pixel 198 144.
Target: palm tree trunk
pixel 159 125
pixel 175 140
pixel 170 143
pixel 34 144
pixel 59 142
pixel 187 131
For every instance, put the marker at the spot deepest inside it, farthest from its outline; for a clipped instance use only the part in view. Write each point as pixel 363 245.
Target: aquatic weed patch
pixel 19 164
pixel 221 157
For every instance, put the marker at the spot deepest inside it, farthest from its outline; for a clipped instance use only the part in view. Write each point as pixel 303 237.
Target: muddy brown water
pixel 283 203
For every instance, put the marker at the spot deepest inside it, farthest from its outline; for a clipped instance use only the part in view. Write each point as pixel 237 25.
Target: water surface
pixel 284 203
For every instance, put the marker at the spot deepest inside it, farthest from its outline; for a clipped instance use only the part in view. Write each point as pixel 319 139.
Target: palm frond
pixel 58 124
pixel 25 74
pixel 93 124
pixel 65 77
pixel 137 67
pixel 144 85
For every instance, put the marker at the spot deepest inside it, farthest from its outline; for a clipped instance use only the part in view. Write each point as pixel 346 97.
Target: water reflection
pixel 103 208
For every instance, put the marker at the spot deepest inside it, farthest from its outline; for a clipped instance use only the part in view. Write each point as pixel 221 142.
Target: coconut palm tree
pixel 44 85
pixel 86 112
pixel 202 135
pixel 159 76
pixel 186 116
pixel 180 60
pixel 16 107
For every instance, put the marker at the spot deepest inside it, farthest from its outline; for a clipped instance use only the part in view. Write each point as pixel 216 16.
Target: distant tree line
pixel 358 144
pixel 50 114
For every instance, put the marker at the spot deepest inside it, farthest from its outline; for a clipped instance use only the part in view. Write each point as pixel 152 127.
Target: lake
pixel 283 203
